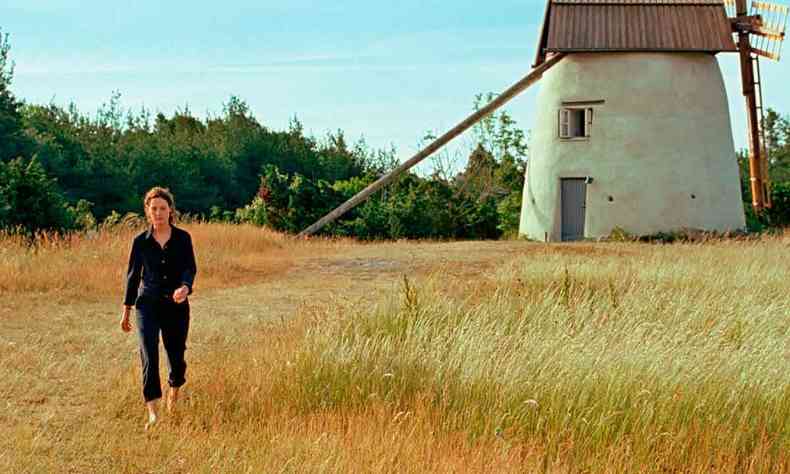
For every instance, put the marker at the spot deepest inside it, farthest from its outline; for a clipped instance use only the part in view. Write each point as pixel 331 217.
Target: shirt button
pixel 163 260
pixel 165 277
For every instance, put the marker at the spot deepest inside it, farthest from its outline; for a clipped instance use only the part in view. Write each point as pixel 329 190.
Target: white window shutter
pixel 588 117
pixel 565 119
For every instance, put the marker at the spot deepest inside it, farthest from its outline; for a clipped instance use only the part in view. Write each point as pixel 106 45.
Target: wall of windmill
pixel 660 151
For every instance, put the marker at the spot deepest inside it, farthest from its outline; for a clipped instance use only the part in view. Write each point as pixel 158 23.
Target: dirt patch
pixel 352 265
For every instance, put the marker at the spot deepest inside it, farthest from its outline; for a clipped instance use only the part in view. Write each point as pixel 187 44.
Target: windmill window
pixel 575 122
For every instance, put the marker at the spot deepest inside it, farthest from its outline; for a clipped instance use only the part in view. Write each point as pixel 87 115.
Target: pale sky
pixel 388 71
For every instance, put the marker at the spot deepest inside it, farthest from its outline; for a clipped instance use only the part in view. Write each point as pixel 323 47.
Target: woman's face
pixel 158 212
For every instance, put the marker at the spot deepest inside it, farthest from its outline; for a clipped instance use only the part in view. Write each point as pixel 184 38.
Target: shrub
pixel 253 213
pixel 31 201
pixel 779 213
pixel 82 216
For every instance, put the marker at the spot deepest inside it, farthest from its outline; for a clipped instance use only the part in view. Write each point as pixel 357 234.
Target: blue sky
pixel 388 71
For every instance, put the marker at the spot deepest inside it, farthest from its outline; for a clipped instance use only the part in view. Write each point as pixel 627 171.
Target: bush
pixel 217 214
pixel 411 207
pixel 509 214
pixel 776 216
pixel 31 201
pixel 82 216
pixel 253 213
pixel 779 213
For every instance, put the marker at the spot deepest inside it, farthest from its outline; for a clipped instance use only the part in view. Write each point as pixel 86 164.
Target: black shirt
pixel 161 269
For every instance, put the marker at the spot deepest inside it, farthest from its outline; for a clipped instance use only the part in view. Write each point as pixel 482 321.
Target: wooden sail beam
pixel 769 33
pixel 501 99
pixel 769 7
pixel 765 54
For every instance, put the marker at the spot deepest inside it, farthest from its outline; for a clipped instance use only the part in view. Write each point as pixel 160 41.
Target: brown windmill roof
pixel 635 25
pixel 641 2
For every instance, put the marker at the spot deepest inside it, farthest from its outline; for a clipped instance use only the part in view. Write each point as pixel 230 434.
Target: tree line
pixel 63 170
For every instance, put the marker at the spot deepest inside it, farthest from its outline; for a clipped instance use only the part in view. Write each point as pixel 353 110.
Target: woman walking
pixel 160 275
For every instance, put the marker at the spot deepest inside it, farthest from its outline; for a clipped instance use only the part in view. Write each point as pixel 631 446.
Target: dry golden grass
pixel 330 364
pixel 76 267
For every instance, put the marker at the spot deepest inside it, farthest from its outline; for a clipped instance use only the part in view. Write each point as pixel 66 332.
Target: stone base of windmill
pixel 640 142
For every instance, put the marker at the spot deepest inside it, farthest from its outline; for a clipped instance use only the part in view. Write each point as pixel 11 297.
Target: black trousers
pixel 155 315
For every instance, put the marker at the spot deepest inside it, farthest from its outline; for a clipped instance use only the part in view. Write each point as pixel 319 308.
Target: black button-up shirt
pixel 161 270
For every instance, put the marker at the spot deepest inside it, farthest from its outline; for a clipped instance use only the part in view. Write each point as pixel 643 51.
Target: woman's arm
pixel 190 267
pixel 133 273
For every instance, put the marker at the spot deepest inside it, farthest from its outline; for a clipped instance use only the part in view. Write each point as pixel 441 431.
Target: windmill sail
pixel 766 23
pixel 767 37
pixel 768 26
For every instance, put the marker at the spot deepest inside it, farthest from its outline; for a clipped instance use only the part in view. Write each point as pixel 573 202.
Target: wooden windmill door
pixel 573 201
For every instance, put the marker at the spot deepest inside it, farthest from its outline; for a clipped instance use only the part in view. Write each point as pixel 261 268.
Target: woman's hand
pixel 180 295
pixel 126 325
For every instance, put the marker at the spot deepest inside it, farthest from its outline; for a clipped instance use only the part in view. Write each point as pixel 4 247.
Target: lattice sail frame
pixel 767 39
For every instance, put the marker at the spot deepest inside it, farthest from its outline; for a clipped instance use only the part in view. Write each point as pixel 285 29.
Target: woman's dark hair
pixel 163 193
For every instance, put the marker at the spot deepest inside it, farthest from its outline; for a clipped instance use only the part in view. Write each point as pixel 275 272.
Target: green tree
pixel 777 131
pixel 55 131
pixel 500 159
pixel 13 141
pixel 499 134
pixel 480 176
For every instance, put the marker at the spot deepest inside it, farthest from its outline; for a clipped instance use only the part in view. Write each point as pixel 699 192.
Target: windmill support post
pixel 499 101
pixel 747 76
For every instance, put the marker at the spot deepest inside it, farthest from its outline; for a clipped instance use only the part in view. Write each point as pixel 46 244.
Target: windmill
pixel 633 128
pixel 590 170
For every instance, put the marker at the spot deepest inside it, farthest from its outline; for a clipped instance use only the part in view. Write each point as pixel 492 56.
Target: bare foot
pixel 151 421
pixel 152 418
pixel 172 398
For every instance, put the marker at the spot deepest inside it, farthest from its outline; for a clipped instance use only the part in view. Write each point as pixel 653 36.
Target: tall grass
pixel 676 358
pixel 92 266
pixel 541 358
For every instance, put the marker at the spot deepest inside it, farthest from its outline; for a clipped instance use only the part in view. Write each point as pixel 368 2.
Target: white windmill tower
pixel 633 129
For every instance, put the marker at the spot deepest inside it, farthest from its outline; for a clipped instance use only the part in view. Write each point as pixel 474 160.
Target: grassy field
pixel 334 356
